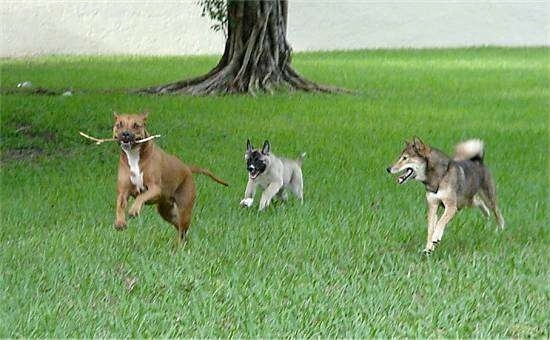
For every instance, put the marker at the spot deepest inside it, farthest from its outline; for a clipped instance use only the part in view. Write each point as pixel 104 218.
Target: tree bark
pixel 256 57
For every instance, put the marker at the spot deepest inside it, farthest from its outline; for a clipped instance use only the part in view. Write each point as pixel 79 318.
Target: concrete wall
pixel 176 27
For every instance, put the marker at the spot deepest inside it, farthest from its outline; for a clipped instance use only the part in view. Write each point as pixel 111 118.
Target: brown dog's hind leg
pixel 185 199
pixel 169 212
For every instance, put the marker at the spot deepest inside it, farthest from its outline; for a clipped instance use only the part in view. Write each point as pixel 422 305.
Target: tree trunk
pixel 256 56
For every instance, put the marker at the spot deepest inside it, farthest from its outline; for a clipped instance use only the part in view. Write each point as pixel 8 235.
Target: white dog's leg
pixel 433 204
pixel 450 211
pixel 478 202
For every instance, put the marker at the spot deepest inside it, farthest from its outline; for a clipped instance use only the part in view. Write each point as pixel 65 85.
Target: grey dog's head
pixel 257 161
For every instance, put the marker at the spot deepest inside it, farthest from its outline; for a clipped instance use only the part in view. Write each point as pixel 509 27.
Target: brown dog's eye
pixel 136 126
pixel 404 158
pixel 119 125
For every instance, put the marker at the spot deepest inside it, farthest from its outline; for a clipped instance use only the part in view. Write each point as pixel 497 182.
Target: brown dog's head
pixel 412 162
pixel 129 128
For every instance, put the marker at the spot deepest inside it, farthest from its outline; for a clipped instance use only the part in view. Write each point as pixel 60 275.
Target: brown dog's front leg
pixel 121 202
pixel 152 194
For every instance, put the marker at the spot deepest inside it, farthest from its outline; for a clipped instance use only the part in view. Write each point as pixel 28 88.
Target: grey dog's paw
pixel 246 202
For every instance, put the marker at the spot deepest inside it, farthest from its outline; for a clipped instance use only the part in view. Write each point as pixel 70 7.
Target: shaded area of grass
pixel 345 264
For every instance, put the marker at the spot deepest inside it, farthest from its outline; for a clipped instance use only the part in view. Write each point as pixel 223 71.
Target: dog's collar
pixel 430 188
pixel 434 188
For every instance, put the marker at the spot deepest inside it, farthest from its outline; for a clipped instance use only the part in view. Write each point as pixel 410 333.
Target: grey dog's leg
pixel 248 194
pixel 296 185
pixel 268 194
pixel 281 195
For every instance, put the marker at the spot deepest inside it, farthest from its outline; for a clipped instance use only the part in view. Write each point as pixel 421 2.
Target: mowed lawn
pixel 346 263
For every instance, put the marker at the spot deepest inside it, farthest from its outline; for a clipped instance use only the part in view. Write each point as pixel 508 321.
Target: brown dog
pixel 152 176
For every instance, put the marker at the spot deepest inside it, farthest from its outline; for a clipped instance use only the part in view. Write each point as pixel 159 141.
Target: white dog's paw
pixel 247 202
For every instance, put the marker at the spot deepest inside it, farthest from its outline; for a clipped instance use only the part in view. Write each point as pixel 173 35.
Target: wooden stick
pixel 99 141
pixel 147 139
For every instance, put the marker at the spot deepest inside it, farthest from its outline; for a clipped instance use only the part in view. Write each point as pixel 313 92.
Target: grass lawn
pixel 346 263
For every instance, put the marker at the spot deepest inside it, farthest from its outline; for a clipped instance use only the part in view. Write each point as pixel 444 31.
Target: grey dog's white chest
pixel 276 172
pixel 136 175
pixel 264 180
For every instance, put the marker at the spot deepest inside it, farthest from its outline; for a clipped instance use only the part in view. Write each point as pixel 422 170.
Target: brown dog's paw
pixel 134 211
pixel 120 225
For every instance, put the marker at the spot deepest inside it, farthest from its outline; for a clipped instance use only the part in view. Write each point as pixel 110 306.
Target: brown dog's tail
pixel 197 170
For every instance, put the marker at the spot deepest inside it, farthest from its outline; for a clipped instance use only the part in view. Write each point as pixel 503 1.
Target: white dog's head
pixel 412 162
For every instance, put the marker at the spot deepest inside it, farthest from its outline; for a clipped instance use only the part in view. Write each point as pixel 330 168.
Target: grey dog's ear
pixel 266 147
pixel 249 146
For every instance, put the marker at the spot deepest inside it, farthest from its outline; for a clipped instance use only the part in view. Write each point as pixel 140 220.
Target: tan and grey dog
pixel 152 176
pixel 273 174
pixel 453 183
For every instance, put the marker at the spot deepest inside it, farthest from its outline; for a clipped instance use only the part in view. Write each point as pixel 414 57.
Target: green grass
pixel 344 264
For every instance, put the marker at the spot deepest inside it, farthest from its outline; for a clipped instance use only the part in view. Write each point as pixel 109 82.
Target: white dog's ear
pixel 266 147
pixel 420 147
pixel 249 146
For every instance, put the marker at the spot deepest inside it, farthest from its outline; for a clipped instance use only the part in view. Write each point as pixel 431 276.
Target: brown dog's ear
pixel 144 115
pixel 420 147
pixel 115 114
pixel 266 147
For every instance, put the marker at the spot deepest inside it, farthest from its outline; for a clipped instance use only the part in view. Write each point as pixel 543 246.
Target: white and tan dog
pixel 453 183
pixel 273 174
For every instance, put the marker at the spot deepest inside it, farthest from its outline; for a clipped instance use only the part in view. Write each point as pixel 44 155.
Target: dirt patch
pixel 26 131
pixel 22 154
pixel 32 139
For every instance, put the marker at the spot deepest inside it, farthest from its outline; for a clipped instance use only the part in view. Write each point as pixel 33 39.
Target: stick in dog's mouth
pixel 409 173
pixel 103 140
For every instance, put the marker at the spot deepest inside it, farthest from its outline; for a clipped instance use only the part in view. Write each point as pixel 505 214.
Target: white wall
pixel 176 27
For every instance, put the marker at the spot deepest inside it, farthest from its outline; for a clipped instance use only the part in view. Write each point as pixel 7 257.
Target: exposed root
pixel 256 56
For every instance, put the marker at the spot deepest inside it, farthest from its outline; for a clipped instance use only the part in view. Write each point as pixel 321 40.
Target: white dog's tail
pixel 301 158
pixel 472 150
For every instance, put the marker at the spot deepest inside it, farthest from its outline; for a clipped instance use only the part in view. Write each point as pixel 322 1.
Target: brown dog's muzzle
pixel 126 139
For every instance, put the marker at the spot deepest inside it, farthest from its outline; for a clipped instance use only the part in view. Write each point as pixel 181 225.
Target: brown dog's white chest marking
pixel 136 175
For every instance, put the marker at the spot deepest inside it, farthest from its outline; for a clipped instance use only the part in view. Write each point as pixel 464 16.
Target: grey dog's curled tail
pixel 300 158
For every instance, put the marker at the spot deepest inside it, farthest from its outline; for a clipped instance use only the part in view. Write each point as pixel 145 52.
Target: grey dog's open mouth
pixel 253 174
pixel 408 174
